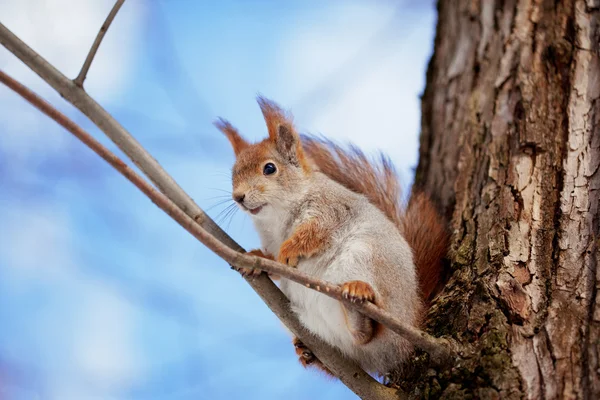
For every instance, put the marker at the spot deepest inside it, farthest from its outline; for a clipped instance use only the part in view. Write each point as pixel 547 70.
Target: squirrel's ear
pixel 237 141
pixel 287 143
pixel 274 116
pixel 282 132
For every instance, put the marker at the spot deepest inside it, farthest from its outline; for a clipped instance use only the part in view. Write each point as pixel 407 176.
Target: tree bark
pixel 510 149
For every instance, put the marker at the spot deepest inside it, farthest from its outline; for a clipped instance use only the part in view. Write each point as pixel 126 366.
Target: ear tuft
pixel 274 116
pixel 282 132
pixel 237 141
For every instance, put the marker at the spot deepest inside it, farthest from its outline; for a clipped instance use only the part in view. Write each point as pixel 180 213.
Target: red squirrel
pixel 336 215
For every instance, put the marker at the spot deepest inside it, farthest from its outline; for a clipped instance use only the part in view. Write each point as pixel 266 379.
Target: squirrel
pixel 337 216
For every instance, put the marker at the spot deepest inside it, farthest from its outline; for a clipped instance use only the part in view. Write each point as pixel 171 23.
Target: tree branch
pixel 92 53
pixel 349 373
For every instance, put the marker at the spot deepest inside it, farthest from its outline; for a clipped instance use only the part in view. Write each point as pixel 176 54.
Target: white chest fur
pixel 271 225
pixel 319 313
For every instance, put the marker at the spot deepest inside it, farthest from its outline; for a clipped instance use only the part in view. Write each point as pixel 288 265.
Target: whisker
pixel 224 213
pixel 221 174
pixel 221 190
pixel 221 213
pixel 218 197
pixel 226 209
pixel 226 221
pixel 219 203
pixel 231 215
pixel 244 221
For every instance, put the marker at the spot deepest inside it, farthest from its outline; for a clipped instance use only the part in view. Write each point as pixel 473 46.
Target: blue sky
pixel 102 296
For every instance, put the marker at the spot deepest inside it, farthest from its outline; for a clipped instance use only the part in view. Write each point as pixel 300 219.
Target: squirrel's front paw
pixel 252 272
pixel 289 254
pixel 358 292
pixel 248 272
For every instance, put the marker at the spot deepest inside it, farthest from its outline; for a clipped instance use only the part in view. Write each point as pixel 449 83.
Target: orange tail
pixel 420 223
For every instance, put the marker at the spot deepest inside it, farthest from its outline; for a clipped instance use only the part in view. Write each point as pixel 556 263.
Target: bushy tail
pixel 420 223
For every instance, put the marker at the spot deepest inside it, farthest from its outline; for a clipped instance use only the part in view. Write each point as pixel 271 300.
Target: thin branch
pixel 348 372
pixel 437 348
pixel 107 124
pixel 92 53
pixel 440 350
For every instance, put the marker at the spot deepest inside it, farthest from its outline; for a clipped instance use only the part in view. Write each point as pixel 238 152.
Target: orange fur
pixel 308 359
pixel 307 240
pixel 428 237
pixel 362 328
pixel 237 141
pixel 358 291
pixel 249 163
pixel 275 118
pixel 420 223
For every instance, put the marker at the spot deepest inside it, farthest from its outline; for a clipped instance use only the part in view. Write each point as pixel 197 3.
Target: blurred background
pixel 102 296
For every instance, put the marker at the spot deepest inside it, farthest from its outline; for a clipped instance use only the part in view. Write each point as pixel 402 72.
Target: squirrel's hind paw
pixel 308 359
pixel 305 356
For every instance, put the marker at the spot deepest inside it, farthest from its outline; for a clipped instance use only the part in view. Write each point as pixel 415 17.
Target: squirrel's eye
pixel 269 169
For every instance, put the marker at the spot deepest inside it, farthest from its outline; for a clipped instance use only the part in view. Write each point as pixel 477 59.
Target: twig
pixel 349 373
pixel 440 350
pixel 107 124
pixel 437 348
pixel 92 53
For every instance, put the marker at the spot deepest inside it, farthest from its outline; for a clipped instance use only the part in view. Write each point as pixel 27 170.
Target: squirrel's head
pixel 273 172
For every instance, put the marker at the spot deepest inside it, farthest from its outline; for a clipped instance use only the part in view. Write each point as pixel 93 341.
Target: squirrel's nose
pixel 239 197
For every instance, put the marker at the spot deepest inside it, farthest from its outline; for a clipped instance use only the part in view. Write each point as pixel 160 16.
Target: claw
pixel 358 292
pixel 248 272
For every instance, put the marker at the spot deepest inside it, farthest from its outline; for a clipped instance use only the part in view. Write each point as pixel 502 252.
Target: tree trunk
pixel 510 149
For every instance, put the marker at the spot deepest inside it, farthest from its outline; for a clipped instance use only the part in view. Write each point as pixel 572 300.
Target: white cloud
pixel 364 67
pixel 380 111
pixel 34 243
pixel 84 335
pixel 62 31
pixel 104 346
pixel 95 332
pixel 327 39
